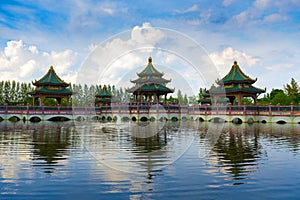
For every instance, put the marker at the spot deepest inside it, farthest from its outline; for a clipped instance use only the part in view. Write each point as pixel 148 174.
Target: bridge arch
pixel 184 118
pixel 115 118
pixel 79 118
pixel 109 118
pixel 125 119
pixel 174 119
pixel 237 120
pixel 14 118
pixel 134 118
pixel 143 119
pixel 58 118
pixel 35 119
pixel 200 119
pixel 217 120
pixel 281 120
pixel 163 119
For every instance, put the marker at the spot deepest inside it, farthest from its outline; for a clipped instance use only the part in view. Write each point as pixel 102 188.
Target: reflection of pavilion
pixel 237 150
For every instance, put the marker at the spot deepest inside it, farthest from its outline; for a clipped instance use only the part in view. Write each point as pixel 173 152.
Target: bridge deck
pixel 155 109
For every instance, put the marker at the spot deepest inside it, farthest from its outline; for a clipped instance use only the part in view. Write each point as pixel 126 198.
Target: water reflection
pixel 35 144
pixel 119 158
pixel 134 147
pixel 241 148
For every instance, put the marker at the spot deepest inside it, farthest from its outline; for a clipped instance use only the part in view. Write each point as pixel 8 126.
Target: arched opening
pixel 264 121
pixel 174 119
pixel 125 119
pixel 281 122
pixel 14 119
pixel 250 121
pixel 163 119
pixel 79 118
pixel 103 118
pixel 144 119
pixel 58 119
pixel 96 118
pixel 152 119
pixel 237 121
pixel 109 118
pixel 1 119
pixel 35 119
pixel 217 120
pixel 115 118
pixel 201 119
pixel 133 119
pixel 184 119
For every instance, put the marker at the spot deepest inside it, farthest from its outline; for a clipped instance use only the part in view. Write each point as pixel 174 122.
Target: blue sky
pixel 262 35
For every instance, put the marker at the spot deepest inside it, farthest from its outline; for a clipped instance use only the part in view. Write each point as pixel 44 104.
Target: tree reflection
pixel 237 150
pixel 51 146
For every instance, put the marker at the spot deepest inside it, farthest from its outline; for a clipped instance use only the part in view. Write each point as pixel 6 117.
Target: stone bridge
pixel 145 112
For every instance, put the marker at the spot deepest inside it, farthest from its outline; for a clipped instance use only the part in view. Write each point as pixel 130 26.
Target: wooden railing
pixel 292 110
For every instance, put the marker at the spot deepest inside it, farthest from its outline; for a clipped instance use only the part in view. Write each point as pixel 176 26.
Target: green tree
pixel 274 92
pixel 185 100
pixel 281 98
pixel 6 92
pixel 179 97
pixel 292 90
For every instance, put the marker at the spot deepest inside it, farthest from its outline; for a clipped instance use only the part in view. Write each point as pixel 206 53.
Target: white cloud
pixel 193 8
pixel 274 18
pixel 225 58
pixel 262 4
pixel 21 62
pixel 119 59
pixel 228 2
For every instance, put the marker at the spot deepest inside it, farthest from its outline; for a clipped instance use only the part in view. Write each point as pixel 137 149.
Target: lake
pixel 158 160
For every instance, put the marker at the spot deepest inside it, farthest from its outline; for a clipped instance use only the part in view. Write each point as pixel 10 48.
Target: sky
pixel 193 42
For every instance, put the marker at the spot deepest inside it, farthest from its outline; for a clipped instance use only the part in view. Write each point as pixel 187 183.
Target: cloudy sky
pixel 262 35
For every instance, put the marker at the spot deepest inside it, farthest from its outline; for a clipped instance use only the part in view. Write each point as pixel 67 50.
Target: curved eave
pixel 236 75
pixel 50 93
pixel 250 90
pixel 51 72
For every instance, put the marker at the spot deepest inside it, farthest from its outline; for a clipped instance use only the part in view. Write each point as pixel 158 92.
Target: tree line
pixel 16 93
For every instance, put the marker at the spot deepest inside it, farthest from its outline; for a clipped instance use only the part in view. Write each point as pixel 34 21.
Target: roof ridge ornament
pixel 150 59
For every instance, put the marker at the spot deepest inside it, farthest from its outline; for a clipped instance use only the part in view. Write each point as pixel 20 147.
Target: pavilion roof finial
pixel 150 59
pixel 235 62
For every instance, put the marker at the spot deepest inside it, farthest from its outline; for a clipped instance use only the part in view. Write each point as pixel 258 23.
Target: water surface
pixel 92 160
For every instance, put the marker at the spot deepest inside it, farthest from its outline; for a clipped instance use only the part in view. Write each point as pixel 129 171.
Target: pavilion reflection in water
pixel 236 153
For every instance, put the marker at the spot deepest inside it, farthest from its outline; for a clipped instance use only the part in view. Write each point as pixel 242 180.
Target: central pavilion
pixel 150 85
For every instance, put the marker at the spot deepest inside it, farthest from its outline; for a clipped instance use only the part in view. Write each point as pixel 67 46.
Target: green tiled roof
pixel 45 90
pixel 50 79
pixel 151 79
pixel 104 93
pixel 236 75
pixel 150 70
pixel 155 88
pixel 236 88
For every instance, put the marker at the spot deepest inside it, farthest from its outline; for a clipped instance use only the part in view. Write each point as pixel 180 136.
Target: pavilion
pixel 51 86
pixel 103 97
pixel 150 84
pixel 236 85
